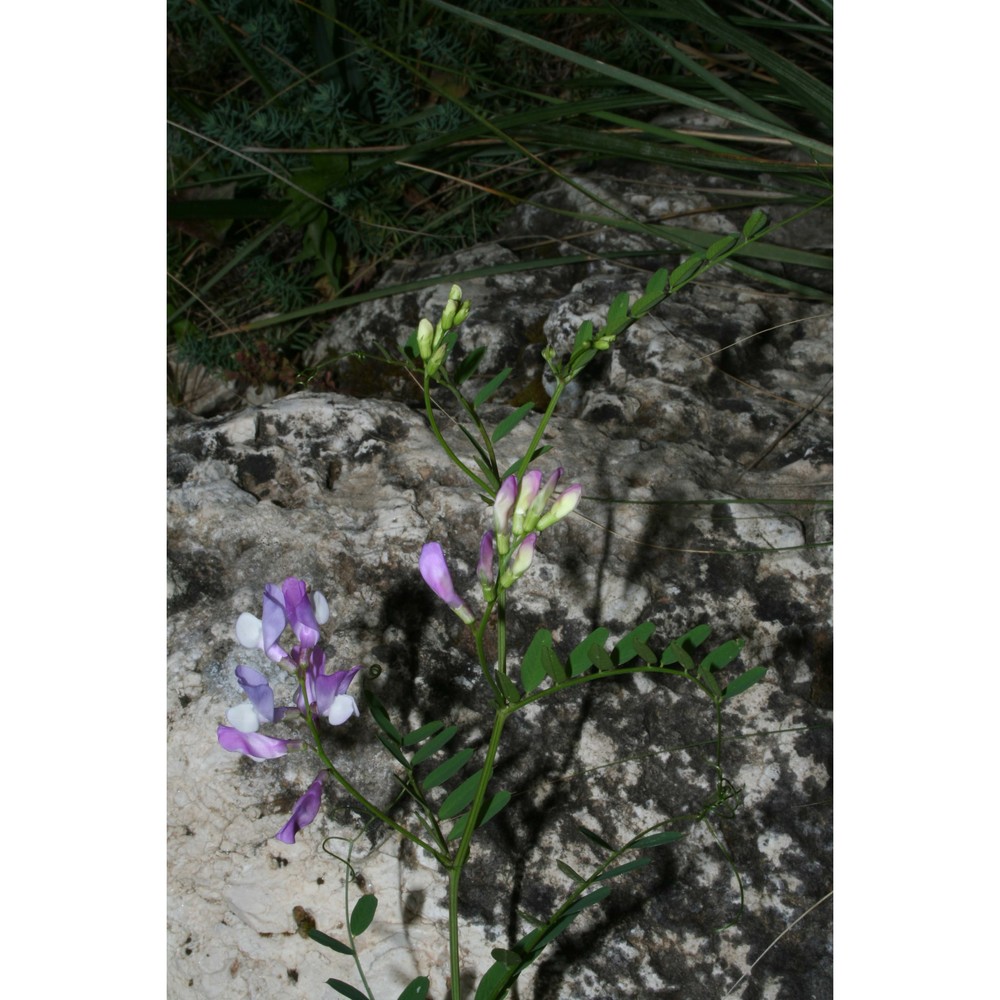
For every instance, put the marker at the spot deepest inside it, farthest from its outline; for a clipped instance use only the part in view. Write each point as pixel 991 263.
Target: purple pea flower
pixel 304 812
pixel 299 612
pixel 434 570
pixel 260 707
pixel 285 605
pixel 503 504
pixel 255 745
pixel 328 692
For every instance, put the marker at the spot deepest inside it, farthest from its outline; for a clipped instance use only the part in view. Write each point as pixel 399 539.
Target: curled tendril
pixel 375 670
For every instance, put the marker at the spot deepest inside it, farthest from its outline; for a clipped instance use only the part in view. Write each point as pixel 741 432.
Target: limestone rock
pixel 704 447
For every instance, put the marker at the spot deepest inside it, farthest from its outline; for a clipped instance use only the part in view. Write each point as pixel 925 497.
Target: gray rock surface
pixel 721 395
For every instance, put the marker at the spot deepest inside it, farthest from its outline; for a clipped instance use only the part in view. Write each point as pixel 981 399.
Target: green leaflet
pixel 345 989
pixel 656 839
pixel 363 914
pixel 492 983
pixel 448 769
pixel 490 387
pixel 457 800
pixel 509 422
pixel 432 746
pixel 626 649
pixel 595 838
pixel 618 313
pixel 508 687
pixel 567 870
pixel 417 990
pixel 745 680
pixel 621 869
pixel 495 805
pixel 589 900
pixel 722 656
pixel 421 734
pixel 579 661
pixel 381 717
pixel 532 666
pixel 332 943
pixel 469 366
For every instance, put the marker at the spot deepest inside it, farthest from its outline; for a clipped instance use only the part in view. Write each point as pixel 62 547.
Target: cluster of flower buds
pixel 431 339
pixel 506 551
pixel 319 693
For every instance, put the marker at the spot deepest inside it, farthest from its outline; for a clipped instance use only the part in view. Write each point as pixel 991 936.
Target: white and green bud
pixel 520 560
pixel 463 312
pixel 425 339
pixel 566 504
pixel 436 359
pixel 541 500
pixel 530 485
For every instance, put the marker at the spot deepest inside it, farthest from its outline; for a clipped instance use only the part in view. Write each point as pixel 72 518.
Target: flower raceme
pixel 319 693
pixel 519 516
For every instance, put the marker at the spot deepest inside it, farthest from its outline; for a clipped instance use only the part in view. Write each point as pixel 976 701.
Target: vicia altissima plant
pixel 454 799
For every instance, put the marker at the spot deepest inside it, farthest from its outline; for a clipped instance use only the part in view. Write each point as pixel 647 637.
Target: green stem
pixel 359 796
pixel 347 922
pixel 540 430
pixel 429 410
pixel 465 845
pixel 502 633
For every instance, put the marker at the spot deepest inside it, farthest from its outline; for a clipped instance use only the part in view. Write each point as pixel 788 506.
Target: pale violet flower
pixel 434 570
pixel 287 605
pixel 259 707
pixel 255 745
pixel 503 504
pixel 327 693
pixel 304 812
